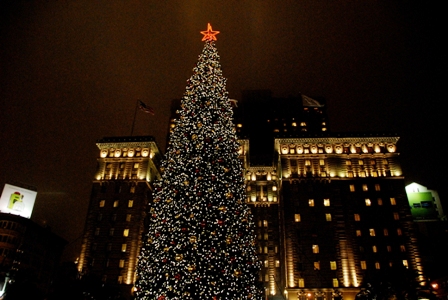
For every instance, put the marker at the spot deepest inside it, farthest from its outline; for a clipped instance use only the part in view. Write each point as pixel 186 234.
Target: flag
pixel 143 107
pixel 233 102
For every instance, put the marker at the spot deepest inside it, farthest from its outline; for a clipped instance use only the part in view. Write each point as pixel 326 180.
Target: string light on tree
pixel 200 242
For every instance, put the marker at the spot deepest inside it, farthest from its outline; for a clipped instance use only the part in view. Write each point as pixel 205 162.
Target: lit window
pixel 399 231
pixel 360 162
pixel 335 282
pixel 116 203
pixel 294 124
pixel 328 217
pixel 402 248
pixel 352 187
pixel 396 216
pixel 315 248
pixel 277 263
pixel 389 249
pixel 102 203
pixel 266 263
pixel 377 187
pixel 326 202
pixel 266 237
pixel 130 203
pixel 297 217
pixel 368 202
pixel 316 265
pixel 121 263
pixel 311 202
pixel 365 188
pixel 405 263
pixel 377 265
pixel 333 265
pixel 374 249
pixel 362 174
pixel 136 166
pixel 265 223
pixel 132 190
pixel 357 217
pixel 302 124
pixel 350 174
pixel 266 250
pixel 385 232
pixel 393 201
pixel 380 201
pixel 120 279
pixel 348 162
pixel 123 247
pixel 266 277
pixel 372 232
pixel 307 162
pixel 301 283
pixel 358 232
pixel 126 232
pixel 128 218
pixel 324 129
pixel 321 162
pixel 363 265
pixel 239 125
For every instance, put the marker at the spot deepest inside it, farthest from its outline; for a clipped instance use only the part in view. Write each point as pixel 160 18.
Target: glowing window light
pixel 335 282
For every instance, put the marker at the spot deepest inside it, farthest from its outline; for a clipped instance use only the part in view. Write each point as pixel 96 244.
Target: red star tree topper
pixel 209 35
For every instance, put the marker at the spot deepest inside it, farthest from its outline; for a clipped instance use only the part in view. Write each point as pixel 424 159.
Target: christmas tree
pixel 201 242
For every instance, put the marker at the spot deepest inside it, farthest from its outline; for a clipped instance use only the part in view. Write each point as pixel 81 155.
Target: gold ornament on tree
pixel 179 257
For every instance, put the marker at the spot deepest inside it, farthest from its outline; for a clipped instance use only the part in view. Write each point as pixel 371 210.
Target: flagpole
pixel 135 115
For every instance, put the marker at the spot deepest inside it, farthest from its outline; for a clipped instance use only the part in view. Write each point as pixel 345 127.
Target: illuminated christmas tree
pixel 201 242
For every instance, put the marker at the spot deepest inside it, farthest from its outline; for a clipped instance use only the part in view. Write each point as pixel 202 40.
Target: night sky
pixel 72 71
